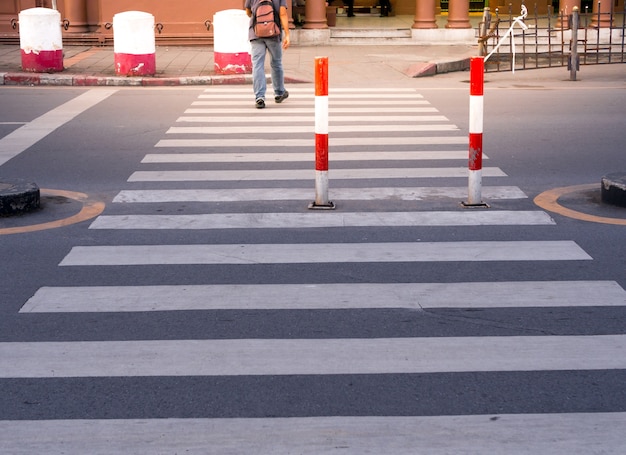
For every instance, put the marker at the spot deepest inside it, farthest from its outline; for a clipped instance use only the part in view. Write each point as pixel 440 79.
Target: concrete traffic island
pixel 614 189
pixel 18 196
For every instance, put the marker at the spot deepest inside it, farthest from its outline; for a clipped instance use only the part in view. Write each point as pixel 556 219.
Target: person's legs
pixel 350 4
pixel 275 48
pixel 259 84
pixel 385 7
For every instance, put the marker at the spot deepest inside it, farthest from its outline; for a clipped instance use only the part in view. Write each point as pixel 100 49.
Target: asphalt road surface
pixel 175 294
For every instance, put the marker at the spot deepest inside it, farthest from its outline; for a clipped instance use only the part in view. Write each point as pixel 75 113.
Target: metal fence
pixel 531 41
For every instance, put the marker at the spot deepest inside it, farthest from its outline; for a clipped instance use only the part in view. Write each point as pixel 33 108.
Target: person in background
pixel 385 8
pixel 275 46
pixel 348 3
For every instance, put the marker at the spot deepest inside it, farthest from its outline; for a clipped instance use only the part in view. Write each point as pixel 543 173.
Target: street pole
pixel 321 135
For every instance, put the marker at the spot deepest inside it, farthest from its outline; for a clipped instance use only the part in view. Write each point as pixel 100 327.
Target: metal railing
pixel 531 41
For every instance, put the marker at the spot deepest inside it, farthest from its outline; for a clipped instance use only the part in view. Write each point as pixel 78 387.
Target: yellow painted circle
pixel 90 209
pixel 549 200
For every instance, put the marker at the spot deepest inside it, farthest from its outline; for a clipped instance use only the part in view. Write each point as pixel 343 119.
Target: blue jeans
pixel 275 48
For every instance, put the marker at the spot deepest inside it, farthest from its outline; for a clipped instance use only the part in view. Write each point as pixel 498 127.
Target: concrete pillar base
pixel 18 196
pixel 614 189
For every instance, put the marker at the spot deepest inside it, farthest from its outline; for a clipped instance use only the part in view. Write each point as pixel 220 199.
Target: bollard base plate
pixel 480 205
pixel 329 206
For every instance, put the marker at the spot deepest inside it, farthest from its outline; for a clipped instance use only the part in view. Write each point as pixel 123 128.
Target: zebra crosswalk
pixel 290 384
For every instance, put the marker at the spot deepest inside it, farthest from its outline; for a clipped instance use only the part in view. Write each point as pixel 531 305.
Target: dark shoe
pixel 281 98
pixel 260 103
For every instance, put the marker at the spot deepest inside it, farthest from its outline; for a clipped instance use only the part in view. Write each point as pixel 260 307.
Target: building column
pixel 458 14
pixel 424 14
pixel 604 7
pixel 567 6
pixel 315 14
pixel 290 15
pixel 76 12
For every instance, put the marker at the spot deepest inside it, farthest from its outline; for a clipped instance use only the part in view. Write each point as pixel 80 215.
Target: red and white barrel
pixel 41 43
pixel 231 47
pixel 134 44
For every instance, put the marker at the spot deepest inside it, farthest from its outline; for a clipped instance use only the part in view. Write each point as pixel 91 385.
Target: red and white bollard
pixel 41 43
pixel 477 71
pixel 321 135
pixel 231 47
pixel 134 45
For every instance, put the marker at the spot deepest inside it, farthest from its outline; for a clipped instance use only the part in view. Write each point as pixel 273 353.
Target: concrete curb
pixel 83 80
pixel 423 69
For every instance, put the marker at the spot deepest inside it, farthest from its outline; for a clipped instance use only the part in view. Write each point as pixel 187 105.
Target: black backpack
pixel 265 20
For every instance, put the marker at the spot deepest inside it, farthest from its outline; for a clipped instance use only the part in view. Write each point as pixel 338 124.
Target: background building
pixel 188 21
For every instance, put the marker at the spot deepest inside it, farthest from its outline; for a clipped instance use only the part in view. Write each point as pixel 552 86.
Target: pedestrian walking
pixel 275 46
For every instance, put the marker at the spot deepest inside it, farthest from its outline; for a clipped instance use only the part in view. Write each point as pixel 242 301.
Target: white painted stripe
pixel 522 434
pixel 312 219
pixel 305 174
pixel 295 119
pixel 293 110
pixel 304 253
pixel 311 93
pixel 304 194
pixel 310 89
pixel 310 357
pixel 257 157
pixel 289 129
pixel 335 101
pixel 321 120
pixel 516 294
pixel 309 142
pixel 29 134
pixel 476 114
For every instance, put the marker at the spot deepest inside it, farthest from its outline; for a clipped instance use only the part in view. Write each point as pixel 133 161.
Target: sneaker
pixel 281 98
pixel 260 103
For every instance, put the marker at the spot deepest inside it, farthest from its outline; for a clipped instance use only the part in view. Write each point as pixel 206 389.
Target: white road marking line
pixel 305 174
pixel 328 296
pixel 32 132
pixel 313 219
pixel 310 356
pixel 237 157
pixel 290 129
pixel 307 253
pixel 304 194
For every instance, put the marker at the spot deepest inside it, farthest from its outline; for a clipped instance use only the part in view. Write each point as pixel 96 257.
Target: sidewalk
pixel 90 66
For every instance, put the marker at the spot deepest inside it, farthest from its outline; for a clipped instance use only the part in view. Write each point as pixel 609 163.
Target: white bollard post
pixel 134 44
pixel 41 43
pixel 231 47
pixel 321 135
pixel 475 164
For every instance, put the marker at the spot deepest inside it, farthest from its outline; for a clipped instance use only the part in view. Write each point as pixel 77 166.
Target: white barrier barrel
pixel 134 44
pixel 231 48
pixel 41 43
